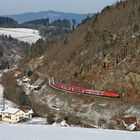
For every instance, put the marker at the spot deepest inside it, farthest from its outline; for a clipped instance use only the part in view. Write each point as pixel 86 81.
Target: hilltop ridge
pixel 52 15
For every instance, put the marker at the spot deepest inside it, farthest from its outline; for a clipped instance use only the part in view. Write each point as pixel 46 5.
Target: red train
pixel 86 91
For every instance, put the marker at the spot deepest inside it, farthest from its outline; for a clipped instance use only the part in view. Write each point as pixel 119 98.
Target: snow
pixel 23 34
pixel 11 110
pixel 37 120
pixel 44 132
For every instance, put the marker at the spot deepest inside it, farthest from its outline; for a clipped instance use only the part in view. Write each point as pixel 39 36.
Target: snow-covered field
pixel 42 132
pixel 23 34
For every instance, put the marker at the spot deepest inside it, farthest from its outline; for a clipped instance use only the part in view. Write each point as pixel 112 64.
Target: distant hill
pixel 7 22
pixel 56 28
pixel 47 29
pixel 52 15
pixel 49 23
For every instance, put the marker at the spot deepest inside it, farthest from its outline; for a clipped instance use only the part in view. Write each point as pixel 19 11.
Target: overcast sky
pixel 76 6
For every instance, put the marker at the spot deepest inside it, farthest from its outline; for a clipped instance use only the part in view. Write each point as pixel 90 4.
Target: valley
pixel 81 72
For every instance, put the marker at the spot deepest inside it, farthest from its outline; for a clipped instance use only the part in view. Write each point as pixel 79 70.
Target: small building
pixel 37 85
pixel 130 123
pixel 26 79
pixel 28 112
pixel 64 124
pixel 12 115
pixel 129 120
pixel 55 107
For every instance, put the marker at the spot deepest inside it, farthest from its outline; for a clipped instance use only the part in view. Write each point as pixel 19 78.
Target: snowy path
pixel 38 132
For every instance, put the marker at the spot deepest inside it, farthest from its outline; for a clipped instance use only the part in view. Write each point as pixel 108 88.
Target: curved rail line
pixel 63 87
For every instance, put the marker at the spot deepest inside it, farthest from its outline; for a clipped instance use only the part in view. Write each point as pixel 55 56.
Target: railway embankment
pixel 84 110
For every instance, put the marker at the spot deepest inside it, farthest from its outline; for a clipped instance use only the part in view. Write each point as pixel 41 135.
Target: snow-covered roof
pixel 26 79
pixel 28 111
pixel 11 110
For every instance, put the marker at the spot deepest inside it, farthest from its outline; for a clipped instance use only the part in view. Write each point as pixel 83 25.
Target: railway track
pixel 63 87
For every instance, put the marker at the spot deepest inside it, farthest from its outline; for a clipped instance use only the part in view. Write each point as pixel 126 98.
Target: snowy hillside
pixel 7 103
pixel 42 132
pixel 27 35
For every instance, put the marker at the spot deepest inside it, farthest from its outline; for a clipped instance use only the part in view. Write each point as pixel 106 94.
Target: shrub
pixel 50 118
